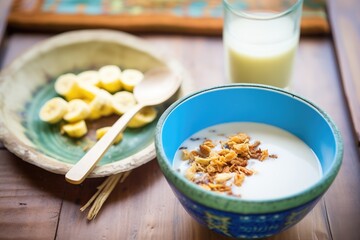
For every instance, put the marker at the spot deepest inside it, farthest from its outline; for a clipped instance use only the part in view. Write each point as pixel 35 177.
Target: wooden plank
pixel 319 65
pixel 4 12
pixel 30 200
pixel 345 24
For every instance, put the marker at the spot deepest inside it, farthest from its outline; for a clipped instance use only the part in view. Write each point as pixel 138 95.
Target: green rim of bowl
pixel 233 204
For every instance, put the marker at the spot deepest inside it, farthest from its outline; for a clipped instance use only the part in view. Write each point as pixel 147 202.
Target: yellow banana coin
pixel 53 110
pixel 66 86
pixel 77 110
pixel 88 91
pixel 143 117
pixel 95 108
pixel 75 130
pixel 100 106
pixel 110 78
pixel 101 132
pixel 107 109
pixel 130 78
pixel 90 77
pixel 123 101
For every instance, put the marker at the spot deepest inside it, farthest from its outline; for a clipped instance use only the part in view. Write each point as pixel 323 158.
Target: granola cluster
pixel 220 169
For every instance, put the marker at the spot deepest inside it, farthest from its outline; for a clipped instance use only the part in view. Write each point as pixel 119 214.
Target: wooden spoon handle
pixel 87 163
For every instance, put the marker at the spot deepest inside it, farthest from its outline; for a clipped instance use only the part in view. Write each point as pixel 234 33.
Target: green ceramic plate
pixel 49 141
pixel 27 83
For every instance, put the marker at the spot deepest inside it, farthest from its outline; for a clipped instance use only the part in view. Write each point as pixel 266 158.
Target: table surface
pixel 36 204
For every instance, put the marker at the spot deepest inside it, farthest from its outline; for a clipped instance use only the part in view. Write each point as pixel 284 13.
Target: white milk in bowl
pixel 260 51
pixel 289 166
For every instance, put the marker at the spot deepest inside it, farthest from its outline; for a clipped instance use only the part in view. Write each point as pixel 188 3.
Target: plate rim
pixel 29 154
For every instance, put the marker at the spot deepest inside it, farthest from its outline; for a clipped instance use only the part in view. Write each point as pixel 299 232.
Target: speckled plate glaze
pixel 27 83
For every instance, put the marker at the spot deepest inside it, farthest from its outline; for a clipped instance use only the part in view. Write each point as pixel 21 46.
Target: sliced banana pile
pixel 94 94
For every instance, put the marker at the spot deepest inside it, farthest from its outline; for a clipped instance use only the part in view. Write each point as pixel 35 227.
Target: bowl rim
pixel 27 152
pixel 238 205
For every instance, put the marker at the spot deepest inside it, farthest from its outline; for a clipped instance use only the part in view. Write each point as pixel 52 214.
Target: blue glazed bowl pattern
pixel 244 225
pixel 230 215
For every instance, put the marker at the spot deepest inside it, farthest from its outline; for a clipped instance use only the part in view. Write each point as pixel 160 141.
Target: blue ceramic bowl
pixel 234 216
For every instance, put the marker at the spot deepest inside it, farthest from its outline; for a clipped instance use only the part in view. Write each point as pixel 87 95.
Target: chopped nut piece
pixel 255 144
pixel 219 187
pixel 190 172
pixel 205 186
pixel 240 138
pixel 223 177
pixel 193 154
pixel 209 143
pixel 202 161
pixel 205 150
pixel 242 149
pixel 223 151
pixel 239 179
pixel 264 155
pixel 230 156
pixel 185 154
pixel 211 169
pixel 245 170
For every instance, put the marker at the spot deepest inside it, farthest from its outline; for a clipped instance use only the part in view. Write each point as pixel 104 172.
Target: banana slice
pixel 66 86
pixel 53 110
pixel 77 110
pixel 101 132
pixel 90 77
pixel 107 108
pixel 75 130
pixel 110 78
pixel 123 101
pixel 130 78
pixel 88 91
pixel 101 105
pixel 145 116
pixel 95 105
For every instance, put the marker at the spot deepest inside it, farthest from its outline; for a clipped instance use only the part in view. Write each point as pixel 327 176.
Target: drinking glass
pixel 260 40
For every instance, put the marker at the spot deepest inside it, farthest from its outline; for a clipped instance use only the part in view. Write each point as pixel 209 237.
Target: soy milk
pixel 295 169
pixel 259 51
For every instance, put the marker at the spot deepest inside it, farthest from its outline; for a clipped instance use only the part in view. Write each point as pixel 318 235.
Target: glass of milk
pixel 260 40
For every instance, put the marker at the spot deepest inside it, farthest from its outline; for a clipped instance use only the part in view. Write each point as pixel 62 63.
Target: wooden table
pixel 36 204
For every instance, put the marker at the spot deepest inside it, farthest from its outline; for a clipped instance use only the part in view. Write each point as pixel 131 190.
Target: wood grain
pixel 345 23
pixel 30 200
pixel 4 12
pixel 318 77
